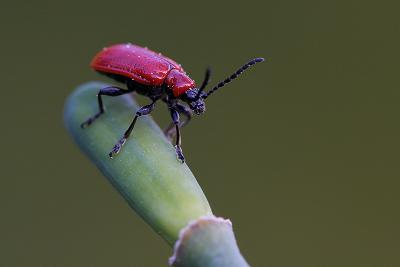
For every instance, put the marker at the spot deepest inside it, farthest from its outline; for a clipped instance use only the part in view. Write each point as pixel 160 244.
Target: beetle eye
pixel 191 93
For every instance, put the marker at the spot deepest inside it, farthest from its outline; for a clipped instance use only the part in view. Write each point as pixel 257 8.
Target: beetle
pixel 157 77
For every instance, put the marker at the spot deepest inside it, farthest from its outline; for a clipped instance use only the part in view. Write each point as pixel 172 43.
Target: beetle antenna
pixel 234 75
pixel 205 82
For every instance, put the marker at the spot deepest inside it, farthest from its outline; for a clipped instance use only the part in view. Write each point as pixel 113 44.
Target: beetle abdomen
pixel 137 63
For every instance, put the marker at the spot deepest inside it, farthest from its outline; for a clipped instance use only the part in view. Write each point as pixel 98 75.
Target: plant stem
pixel 209 241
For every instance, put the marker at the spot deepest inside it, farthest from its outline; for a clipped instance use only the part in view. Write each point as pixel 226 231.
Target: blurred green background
pixel 301 153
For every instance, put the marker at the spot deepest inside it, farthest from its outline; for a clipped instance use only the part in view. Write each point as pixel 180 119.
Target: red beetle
pixel 157 77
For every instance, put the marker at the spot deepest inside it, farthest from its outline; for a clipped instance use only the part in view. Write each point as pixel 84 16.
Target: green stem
pixel 209 241
pixel 148 175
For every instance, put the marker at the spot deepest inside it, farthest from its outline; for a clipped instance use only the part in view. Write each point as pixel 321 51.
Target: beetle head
pixel 195 100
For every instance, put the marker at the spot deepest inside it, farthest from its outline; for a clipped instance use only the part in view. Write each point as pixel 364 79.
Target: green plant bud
pixel 146 172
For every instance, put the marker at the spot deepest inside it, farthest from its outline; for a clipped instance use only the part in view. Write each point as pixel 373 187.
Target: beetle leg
pixel 170 131
pixel 175 120
pixel 108 91
pixel 145 110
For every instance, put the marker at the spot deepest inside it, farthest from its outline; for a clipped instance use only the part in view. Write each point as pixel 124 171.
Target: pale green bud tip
pixel 146 172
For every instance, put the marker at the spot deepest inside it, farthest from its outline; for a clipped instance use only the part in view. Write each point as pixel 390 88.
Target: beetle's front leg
pixel 175 120
pixel 170 131
pixel 145 110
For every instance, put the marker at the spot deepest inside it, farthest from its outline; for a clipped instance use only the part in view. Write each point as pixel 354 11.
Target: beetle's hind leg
pixel 108 91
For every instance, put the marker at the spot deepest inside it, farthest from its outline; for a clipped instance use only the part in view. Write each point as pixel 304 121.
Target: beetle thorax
pixel 178 82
